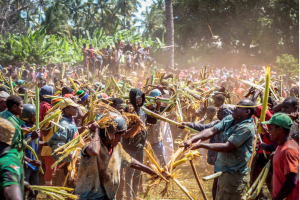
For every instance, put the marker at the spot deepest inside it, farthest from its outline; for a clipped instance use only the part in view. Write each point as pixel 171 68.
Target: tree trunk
pixel 170 33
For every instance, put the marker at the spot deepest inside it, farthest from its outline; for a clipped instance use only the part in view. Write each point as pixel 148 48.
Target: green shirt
pixel 18 141
pixel 241 136
pixel 11 172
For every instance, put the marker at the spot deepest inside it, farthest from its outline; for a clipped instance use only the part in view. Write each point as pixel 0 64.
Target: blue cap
pixel 155 93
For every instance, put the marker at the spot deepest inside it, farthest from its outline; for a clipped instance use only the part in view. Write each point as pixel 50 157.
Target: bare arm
pixel 12 192
pixel 204 135
pixel 131 131
pixel 93 148
pixel 139 166
pixel 216 147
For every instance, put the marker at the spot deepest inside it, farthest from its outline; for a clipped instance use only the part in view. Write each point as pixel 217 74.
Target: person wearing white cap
pixel 3 96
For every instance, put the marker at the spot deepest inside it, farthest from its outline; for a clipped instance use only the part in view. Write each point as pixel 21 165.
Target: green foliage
pixel 39 48
pixel 287 64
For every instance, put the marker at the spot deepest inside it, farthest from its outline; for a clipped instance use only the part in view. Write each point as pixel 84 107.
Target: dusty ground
pixel 187 179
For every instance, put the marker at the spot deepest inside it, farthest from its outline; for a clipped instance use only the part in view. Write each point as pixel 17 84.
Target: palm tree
pixel 76 7
pixel 170 32
pixel 127 8
pixel 152 19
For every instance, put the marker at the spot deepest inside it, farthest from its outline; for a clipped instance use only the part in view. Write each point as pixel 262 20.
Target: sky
pixel 145 3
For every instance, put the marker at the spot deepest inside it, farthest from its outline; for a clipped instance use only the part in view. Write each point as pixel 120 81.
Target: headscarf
pixel 227 109
pixel 46 90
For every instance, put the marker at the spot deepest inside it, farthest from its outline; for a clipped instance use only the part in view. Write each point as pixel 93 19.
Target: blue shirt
pixel 240 135
pixel 34 146
pixel 63 136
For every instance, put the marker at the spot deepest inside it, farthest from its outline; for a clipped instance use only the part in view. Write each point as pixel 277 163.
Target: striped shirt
pixel 240 135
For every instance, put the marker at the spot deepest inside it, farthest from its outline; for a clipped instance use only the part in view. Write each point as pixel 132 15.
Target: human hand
pixel 35 163
pixel 182 125
pixel 263 146
pixel 93 126
pixel 130 108
pixel 26 186
pixel 294 115
pixel 35 134
pixel 187 144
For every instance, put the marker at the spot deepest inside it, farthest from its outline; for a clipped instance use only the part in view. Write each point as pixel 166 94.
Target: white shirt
pixel 118 55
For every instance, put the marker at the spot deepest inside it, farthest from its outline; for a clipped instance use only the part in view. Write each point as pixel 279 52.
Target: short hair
pixel 116 101
pixel 251 104
pixel 219 97
pixel 22 90
pixel 13 100
pixel 295 90
pixel 292 100
pixel 211 109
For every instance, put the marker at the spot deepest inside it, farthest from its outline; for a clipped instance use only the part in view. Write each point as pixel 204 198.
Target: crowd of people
pixel 222 104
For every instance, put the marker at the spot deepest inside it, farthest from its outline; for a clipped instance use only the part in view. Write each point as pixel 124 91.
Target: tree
pixel 170 32
pixel 152 20
pixel 287 64
pixel 76 7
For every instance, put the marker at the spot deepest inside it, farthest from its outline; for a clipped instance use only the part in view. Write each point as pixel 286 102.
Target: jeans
pixel 159 151
pixel 32 177
pixel 132 176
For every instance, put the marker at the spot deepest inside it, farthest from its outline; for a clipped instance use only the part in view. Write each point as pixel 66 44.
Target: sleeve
pixel 125 157
pixel 57 140
pixel 221 126
pixel 240 135
pixel 18 142
pixel 151 120
pixel 9 177
pixel 291 161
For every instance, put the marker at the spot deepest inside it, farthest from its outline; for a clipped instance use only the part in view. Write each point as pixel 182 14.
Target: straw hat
pixel 7 131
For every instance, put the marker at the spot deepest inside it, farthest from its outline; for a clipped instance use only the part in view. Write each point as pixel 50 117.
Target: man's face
pixel 71 110
pixel 218 103
pixel 139 101
pixel 120 108
pixel 3 105
pixel 18 109
pixel 274 132
pixel 117 139
pixel 287 108
pixel 108 47
pixel 238 112
pixel 220 114
pixel 210 115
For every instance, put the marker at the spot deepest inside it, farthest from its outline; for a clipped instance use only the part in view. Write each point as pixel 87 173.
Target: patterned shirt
pixel 240 135
pixel 100 175
pixel 11 172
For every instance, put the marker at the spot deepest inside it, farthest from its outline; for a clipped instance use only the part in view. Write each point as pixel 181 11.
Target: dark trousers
pixel 132 176
pixel 258 163
pixel 32 177
pixel 214 188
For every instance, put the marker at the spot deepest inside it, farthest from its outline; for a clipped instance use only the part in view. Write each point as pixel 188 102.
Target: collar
pixel 4 150
pixel 18 121
pixel 70 119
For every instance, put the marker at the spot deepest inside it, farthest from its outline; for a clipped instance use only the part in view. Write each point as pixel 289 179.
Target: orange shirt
pixel 285 161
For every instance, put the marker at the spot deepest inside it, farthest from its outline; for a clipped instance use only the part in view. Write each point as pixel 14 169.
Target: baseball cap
pixel 280 119
pixel 3 95
pixel 7 131
pixel 67 102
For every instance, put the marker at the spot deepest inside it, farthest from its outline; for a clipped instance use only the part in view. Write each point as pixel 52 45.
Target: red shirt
pixel 285 161
pixel 44 107
pixel 265 137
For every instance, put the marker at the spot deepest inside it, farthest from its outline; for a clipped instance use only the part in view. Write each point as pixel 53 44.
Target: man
pixel 92 58
pixel 3 96
pixel 118 55
pixel 47 133
pixel 285 160
pixel 155 133
pixel 128 47
pixel 102 161
pixel 14 108
pixel 238 133
pixel 85 55
pixel 134 146
pixel 11 179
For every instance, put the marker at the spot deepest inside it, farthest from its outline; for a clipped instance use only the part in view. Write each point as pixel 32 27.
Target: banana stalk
pixel 36 158
pixel 12 92
pixel 55 192
pixel 265 100
pixel 26 97
pixel 63 71
pixel 261 182
pixel 37 106
pixel 281 87
pixel 166 119
pixel 114 82
pixel 73 84
pixel 254 185
pixel 54 115
pixel 216 175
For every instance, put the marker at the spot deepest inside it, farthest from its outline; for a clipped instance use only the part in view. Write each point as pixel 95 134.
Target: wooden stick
pixel 197 179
